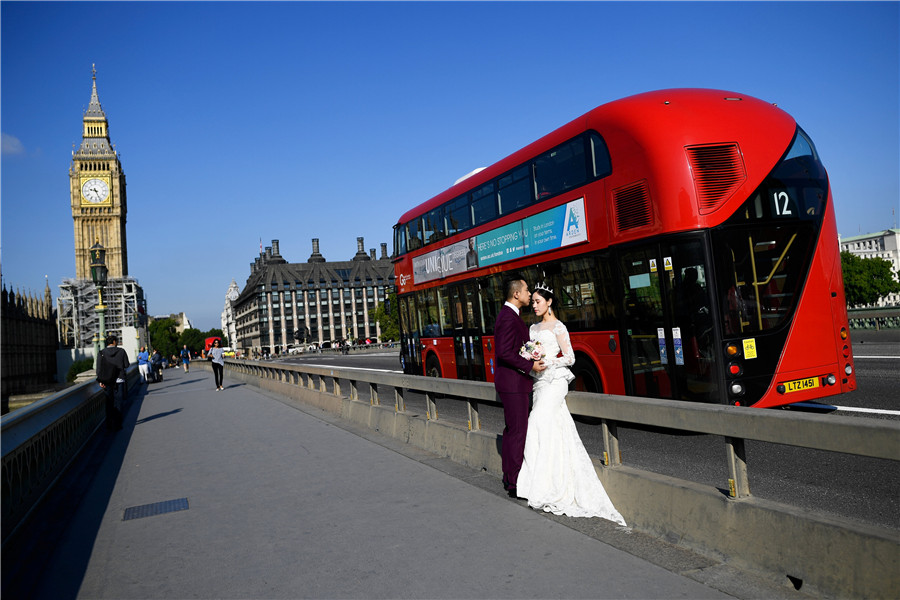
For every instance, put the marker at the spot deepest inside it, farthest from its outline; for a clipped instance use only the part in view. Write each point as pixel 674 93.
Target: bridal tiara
pixel 544 287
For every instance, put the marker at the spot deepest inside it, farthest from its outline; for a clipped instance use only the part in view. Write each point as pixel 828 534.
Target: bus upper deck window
pixel 459 216
pixel 561 169
pixel 484 204
pixel 600 155
pixel 414 239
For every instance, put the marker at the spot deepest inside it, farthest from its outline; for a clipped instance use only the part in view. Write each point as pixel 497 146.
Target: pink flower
pixel 532 350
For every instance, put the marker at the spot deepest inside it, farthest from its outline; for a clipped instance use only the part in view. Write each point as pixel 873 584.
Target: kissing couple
pixel 544 460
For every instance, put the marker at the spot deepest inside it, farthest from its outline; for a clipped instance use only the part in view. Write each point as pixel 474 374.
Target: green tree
pixel 193 338
pixel 866 280
pixel 387 315
pixel 163 337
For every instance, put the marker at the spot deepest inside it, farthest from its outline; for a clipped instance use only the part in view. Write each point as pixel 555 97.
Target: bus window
pixel 413 234
pixel 399 240
pixel 600 155
pixel 490 297
pixel 429 313
pixel 561 169
pixel 484 204
pixel 443 293
pixel 459 215
pixel 583 302
pixel 761 274
pixel 516 190
pixel 433 225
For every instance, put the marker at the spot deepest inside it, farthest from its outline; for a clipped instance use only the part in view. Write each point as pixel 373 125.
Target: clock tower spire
pixel 97 189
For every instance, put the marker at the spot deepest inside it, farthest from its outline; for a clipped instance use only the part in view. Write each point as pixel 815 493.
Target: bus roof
pixel 638 116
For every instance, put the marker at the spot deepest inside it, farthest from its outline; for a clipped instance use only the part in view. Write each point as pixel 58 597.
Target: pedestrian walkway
pixel 240 494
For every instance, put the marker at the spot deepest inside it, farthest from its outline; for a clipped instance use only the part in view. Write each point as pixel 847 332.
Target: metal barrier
pixel 878 318
pixel 40 440
pixel 849 435
pixel 835 557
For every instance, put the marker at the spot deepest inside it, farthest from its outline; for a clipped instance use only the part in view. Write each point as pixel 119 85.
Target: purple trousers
pixel 515 412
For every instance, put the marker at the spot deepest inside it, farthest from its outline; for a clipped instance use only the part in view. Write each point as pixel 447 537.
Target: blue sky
pixel 237 122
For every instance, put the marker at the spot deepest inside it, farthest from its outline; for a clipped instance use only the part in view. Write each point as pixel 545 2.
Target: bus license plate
pixel 801 384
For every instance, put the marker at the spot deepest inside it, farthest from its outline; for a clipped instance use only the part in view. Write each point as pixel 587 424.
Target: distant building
pixel 228 323
pixel 29 343
pixel 181 321
pixel 883 244
pixel 321 302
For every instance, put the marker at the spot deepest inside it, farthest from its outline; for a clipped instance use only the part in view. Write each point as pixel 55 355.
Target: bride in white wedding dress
pixel 557 474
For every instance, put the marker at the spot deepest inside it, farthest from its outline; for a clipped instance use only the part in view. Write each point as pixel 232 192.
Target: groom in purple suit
pixel 512 379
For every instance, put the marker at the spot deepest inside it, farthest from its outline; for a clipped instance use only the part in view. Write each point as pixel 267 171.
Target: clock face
pixel 95 190
pixel 232 295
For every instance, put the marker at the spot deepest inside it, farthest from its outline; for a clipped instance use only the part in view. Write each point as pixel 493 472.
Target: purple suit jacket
pixel 510 332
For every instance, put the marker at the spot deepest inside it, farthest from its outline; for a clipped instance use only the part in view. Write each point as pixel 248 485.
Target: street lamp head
pixel 98 264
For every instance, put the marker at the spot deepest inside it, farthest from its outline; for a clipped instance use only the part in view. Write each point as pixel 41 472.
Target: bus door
pixel 467 332
pixel 410 347
pixel 668 326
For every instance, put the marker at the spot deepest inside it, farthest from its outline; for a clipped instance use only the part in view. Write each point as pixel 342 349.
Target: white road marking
pixel 888 357
pixel 319 365
pixel 876 411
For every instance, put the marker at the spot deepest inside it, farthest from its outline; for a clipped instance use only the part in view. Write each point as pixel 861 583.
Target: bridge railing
pixel 40 440
pixel 849 435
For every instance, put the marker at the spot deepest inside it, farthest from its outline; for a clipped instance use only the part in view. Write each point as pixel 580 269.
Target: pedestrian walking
pixel 185 358
pixel 217 355
pixel 144 364
pixel 111 365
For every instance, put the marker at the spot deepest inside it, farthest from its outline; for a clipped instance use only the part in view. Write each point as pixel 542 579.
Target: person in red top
pixel 512 379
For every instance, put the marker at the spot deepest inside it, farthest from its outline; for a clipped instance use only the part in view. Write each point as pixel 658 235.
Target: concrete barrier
pixel 828 557
pixel 39 441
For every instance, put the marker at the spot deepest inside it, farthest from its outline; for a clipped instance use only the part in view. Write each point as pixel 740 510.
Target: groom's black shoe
pixel 512 492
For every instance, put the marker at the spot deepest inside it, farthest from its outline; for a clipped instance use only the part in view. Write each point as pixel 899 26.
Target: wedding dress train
pixel 557 474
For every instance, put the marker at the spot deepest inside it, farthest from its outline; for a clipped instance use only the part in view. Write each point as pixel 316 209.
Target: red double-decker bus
pixel 689 236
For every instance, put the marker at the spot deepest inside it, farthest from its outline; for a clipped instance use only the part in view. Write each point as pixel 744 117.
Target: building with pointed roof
pixel 99 210
pixel 287 304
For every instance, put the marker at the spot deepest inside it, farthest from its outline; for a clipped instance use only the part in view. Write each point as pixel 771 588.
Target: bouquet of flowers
pixel 532 350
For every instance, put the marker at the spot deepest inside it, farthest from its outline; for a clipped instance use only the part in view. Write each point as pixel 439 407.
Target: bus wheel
pixel 587 379
pixel 432 367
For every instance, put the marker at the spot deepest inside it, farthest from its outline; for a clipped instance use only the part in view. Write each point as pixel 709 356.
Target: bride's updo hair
pixel 543 292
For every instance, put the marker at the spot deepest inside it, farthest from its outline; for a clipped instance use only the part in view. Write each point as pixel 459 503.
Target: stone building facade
pixel 29 342
pixel 287 304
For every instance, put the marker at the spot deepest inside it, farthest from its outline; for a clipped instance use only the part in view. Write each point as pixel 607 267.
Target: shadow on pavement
pixel 86 486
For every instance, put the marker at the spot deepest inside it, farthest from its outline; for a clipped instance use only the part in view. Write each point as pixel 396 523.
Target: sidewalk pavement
pixel 263 498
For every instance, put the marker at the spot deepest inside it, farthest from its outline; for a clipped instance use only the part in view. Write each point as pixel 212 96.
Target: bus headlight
pixel 848 369
pixel 737 389
pixel 831 379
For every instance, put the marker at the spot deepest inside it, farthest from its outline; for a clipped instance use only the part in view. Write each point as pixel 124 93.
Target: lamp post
pixel 98 275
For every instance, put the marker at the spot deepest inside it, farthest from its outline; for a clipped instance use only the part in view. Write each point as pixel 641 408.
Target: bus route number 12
pixel 782 205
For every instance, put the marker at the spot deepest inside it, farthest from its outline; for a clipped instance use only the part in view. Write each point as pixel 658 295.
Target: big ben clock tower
pixel 97 188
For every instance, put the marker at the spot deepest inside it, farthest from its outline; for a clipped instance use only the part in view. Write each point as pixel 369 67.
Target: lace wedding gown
pixel 557 474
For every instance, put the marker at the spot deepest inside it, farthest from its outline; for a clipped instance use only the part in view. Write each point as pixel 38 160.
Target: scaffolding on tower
pixel 76 305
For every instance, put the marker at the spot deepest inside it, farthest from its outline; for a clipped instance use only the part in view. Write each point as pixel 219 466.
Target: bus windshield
pixel 763 252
